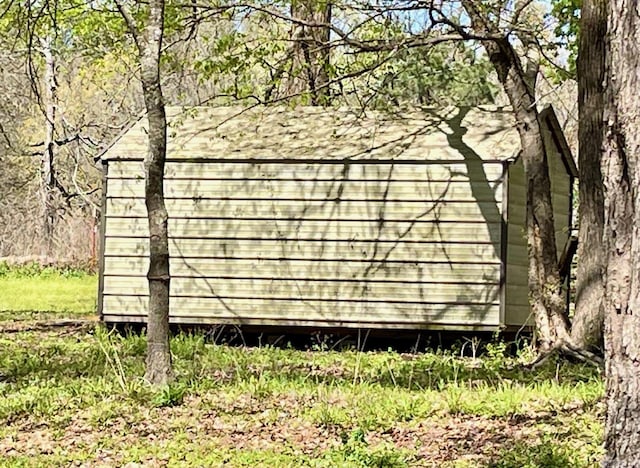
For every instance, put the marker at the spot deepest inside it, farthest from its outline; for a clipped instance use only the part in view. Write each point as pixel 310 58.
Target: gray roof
pixel 312 133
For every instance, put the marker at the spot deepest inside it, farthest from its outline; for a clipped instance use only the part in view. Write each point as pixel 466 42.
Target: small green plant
pixel 545 454
pixel 169 395
pixel 107 342
pixel 356 451
pixel 495 351
pixel 453 395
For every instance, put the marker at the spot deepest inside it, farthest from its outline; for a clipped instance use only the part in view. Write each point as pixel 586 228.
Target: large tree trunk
pixel 310 51
pixel 545 292
pixel 149 43
pixel 587 323
pixel 621 170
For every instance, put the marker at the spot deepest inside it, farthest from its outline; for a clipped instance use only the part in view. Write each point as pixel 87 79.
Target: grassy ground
pixel 35 289
pixel 73 395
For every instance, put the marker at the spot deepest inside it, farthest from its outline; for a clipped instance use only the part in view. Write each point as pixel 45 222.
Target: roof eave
pixel 549 116
pixel 102 155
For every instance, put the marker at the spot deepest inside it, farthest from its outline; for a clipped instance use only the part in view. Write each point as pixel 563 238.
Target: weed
pixel 453 395
pixel 495 354
pixel 170 395
pixel 355 451
pixel 542 454
pixel 112 356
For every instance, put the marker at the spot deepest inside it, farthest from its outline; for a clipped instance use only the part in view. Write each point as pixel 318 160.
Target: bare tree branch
pixel 129 20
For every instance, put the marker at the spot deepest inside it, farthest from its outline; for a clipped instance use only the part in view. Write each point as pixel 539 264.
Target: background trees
pixel 52 136
pixel 310 52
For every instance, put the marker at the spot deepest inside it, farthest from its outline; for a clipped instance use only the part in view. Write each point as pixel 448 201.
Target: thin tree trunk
pixel 158 353
pixel 47 160
pixel 621 170
pixel 310 51
pixel 586 330
pixel 149 43
pixel 545 295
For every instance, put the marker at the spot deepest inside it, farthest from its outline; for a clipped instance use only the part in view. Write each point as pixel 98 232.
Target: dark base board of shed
pixel 314 338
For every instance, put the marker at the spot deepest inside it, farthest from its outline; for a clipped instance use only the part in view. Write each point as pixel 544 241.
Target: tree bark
pixel 310 51
pixel 547 303
pixel 586 329
pixel 149 44
pixel 158 352
pixel 47 160
pixel 621 170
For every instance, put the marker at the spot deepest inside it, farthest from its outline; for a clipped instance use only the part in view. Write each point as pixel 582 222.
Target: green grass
pixel 70 395
pixel 82 394
pixel 53 293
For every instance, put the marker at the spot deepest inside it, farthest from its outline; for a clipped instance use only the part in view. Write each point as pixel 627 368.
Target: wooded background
pixel 70 84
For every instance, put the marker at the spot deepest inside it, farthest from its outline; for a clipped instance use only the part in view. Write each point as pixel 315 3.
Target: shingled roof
pixel 319 133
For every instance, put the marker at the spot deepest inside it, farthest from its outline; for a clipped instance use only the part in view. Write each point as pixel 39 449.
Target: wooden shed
pixel 331 218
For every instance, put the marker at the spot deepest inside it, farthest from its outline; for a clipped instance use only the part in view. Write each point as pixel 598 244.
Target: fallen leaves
pixel 254 425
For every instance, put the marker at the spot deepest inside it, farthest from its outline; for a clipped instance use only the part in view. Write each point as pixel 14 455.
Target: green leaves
pixel 567 29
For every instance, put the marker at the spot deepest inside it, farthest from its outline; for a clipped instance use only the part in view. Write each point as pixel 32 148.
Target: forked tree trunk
pixel 310 51
pixel 149 43
pixel 545 285
pixel 621 170
pixel 545 292
pixel 587 324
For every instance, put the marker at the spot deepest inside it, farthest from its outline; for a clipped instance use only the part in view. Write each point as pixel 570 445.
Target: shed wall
pixel 367 243
pixel 517 300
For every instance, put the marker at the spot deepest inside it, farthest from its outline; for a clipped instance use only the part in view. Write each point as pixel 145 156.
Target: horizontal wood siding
pixel 270 209
pixel 290 312
pixel 308 190
pixel 335 270
pixel 301 289
pixel 517 309
pixel 256 172
pixel 315 250
pixel 381 244
pixel 305 229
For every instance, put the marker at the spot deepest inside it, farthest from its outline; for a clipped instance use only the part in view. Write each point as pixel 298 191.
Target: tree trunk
pixel 586 330
pixel 621 170
pixel 545 291
pixel 158 352
pixel 149 44
pixel 47 160
pixel 310 51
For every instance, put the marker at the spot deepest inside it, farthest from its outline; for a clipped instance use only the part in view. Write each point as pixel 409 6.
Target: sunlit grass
pixel 285 407
pixel 75 295
pixel 77 396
